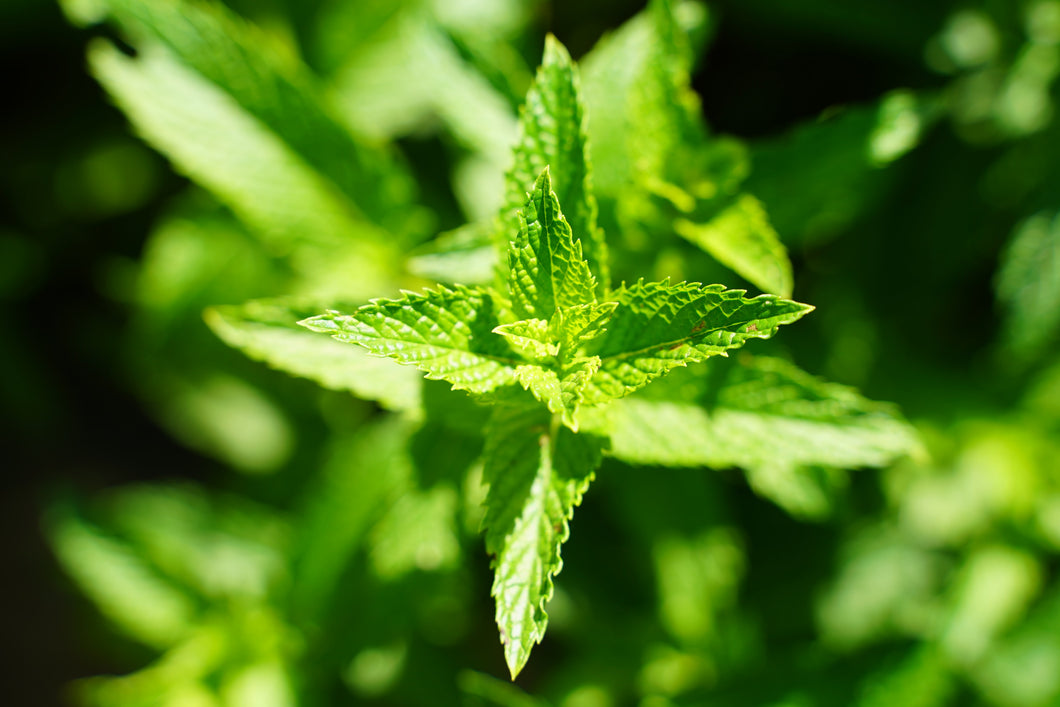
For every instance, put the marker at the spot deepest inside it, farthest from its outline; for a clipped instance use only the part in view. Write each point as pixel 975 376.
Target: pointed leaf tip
pixel 547 268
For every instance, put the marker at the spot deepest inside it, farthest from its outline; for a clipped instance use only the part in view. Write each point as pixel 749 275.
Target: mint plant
pixel 568 354
pixel 551 335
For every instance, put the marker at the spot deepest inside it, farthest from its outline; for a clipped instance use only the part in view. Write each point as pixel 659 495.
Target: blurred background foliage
pixel 217 533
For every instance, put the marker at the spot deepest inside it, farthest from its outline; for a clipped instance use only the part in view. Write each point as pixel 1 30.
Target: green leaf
pixel 657 327
pixel 531 337
pixel 547 270
pixel 123 584
pixel 491 692
pixel 536 476
pixel 766 416
pixel 921 679
pixel 553 135
pixel 361 477
pixel 560 392
pixel 262 81
pixel 410 71
pixel 637 89
pixel 841 160
pixel 464 256
pixel 417 533
pixel 573 326
pixel 268 331
pixel 665 114
pixel 741 238
pixel 1028 285
pixel 446 333
pixel 218 547
pixel 226 150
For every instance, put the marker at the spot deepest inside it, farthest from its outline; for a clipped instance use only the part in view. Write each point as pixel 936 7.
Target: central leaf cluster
pixel 555 328
pixel 553 292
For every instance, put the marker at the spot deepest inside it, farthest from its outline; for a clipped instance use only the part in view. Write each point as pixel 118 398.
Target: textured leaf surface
pixel 552 134
pixel 268 331
pixel 536 477
pixel 123 584
pixel 657 327
pixel 766 416
pixel 446 333
pixel 741 238
pixel 225 149
pixel 546 263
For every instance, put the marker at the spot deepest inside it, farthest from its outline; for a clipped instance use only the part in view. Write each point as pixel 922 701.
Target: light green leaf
pixel 418 532
pixel 573 326
pixel 408 72
pixel 268 331
pixel 265 83
pixel 220 548
pixel 536 477
pixel 547 270
pixel 1028 285
pixel 766 416
pixel 658 326
pixel 446 333
pixel 637 89
pixel 665 115
pixel 122 584
pixel 561 393
pixel 741 238
pixel 841 161
pixel 226 417
pixel 464 256
pixel 531 337
pixel 552 135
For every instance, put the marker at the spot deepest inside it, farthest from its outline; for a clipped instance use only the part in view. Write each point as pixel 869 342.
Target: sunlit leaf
pixel 447 333
pixel 536 477
pixel 268 331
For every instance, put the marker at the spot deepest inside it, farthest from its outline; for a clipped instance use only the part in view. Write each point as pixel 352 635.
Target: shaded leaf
pixel 1028 285
pixel 123 584
pixel 547 270
pixel 265 82
pixel 766 416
